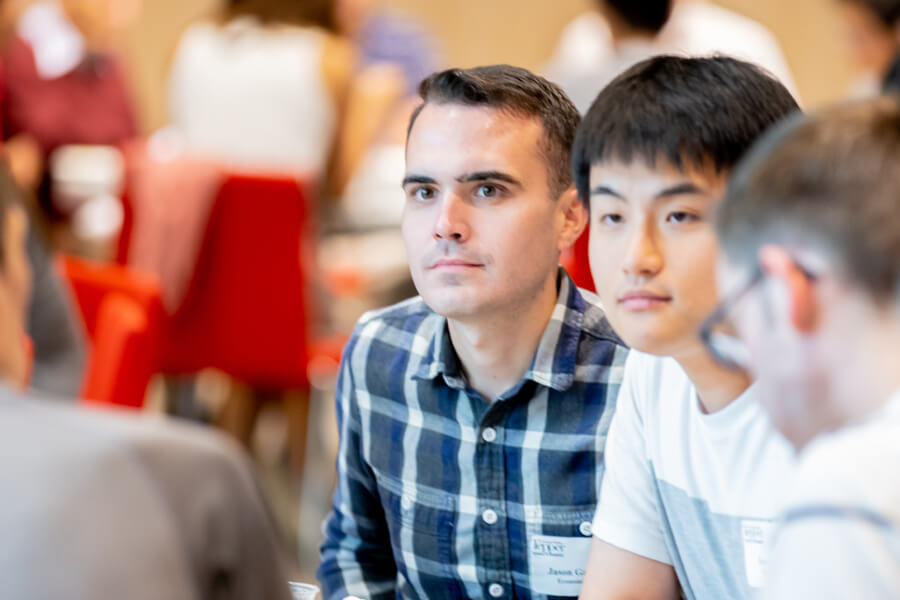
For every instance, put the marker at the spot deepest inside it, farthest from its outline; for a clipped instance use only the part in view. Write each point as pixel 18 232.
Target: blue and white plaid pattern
pixel 439 490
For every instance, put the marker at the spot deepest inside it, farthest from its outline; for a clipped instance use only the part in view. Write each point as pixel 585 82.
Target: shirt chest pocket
pixel 420 522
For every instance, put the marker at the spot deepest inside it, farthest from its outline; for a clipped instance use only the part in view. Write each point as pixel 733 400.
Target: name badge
pixel 756 550
pixel 557 564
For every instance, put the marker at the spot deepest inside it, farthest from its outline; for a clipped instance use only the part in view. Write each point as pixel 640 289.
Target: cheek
pixel 605 257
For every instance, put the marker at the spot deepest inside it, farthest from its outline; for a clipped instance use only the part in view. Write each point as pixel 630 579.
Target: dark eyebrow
pixel 418 179
pixel 681 189
pixel 602 190
pixel 488 175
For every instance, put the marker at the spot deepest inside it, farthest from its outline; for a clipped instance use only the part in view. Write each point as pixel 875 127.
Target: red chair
pixel 123 315
pixel 245 311
pixel 576 262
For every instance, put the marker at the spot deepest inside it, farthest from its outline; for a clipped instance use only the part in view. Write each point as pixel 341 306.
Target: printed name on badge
pixel 557 564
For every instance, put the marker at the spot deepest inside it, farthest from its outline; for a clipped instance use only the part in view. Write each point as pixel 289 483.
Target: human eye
pixel 421 193
pixel 611 219
pixel 682 217
pixel 488 190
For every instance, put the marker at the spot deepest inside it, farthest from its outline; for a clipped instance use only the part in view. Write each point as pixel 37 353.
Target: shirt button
pixel 585 528
pixel 489 434
pixel 495 590
pixel 406 503
pixel 489 517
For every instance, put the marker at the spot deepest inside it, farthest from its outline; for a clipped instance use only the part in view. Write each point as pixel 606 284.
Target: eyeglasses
pixel 718 334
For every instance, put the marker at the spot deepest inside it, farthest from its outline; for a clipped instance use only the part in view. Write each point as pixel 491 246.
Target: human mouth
pixel 454 264
pixel 641 300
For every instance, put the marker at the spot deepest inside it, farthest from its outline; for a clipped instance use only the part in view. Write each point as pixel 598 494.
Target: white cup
pixel 303 591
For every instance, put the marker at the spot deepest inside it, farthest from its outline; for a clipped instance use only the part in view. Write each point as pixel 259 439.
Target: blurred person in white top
pixel 263 88
pixel 587 46
pixel 810 230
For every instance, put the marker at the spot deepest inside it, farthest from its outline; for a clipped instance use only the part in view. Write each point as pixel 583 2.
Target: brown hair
pixel 831 180
pixel 517 91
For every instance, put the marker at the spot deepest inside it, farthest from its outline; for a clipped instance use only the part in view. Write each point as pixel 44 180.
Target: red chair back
pixel 122 313
pixel 245 310
pixel 577 263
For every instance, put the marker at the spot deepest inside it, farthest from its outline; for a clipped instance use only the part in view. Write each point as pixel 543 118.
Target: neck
pixel 717 387
pixel 496 350
pixel 864 381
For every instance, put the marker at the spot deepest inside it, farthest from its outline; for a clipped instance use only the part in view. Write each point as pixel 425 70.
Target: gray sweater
pixel 107 506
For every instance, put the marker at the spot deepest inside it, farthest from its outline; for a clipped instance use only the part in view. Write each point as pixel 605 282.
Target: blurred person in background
pixel 63 84
pixel 872 32
pixel 472 417
pixel 58 341
pixel 694 28
pixel 633 31
pixel 395 54
pixel 810 230
pixel 264 88
pixel 113 506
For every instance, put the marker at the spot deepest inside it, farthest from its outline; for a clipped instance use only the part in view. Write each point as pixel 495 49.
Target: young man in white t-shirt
pixel 810 231
pixel 693 466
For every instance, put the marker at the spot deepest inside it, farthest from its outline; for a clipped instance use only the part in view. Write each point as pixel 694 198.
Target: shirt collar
pixel 553 364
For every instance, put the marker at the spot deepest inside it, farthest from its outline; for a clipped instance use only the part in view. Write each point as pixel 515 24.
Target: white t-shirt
pixel 693 490
pixel 839 536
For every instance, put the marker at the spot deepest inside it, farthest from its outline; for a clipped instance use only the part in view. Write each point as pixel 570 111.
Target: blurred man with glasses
pixel 692 462
pixel 810 230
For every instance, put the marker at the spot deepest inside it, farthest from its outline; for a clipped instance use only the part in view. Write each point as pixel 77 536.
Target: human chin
pixel 652 333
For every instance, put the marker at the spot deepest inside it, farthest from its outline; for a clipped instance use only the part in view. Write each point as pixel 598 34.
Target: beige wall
pixel 515 31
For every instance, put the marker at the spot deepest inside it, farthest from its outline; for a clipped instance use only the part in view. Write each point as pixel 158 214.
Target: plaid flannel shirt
pixel 440 491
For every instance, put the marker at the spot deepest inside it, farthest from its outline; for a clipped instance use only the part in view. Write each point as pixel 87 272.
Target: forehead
pixel 454 138
pixel 639 179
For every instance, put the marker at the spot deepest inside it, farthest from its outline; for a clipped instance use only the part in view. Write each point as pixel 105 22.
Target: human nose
pixel 643 258
pixel 452 222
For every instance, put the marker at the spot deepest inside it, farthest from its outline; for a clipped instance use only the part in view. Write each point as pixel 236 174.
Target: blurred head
pixel 489 200
pixel 814 213
pixel 319 13
pixel 871 33
pixel 651 159
pixel 98 19
pixel 351 15
pixel 645 16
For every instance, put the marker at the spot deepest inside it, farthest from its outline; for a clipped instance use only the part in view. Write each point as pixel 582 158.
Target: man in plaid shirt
pixel 472 418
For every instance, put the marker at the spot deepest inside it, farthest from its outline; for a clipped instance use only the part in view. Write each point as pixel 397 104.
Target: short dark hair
pixel 831 180
pixel 689 111
pixel 646 15
pixel 319 13
pixel 886 11
pixel 516 91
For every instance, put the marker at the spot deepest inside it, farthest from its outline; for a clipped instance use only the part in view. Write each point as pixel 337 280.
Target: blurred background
pixel 214 192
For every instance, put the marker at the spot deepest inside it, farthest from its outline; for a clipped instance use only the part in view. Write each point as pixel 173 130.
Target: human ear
pixel 803 304
pixel 574 217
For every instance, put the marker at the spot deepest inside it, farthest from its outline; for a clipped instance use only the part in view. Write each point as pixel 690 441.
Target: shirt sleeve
pixel 356 555
pixel 834 556
pixel 628 511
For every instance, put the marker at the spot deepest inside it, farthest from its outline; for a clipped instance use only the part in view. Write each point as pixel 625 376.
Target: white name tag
pixel 557 564
pixel 756 550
